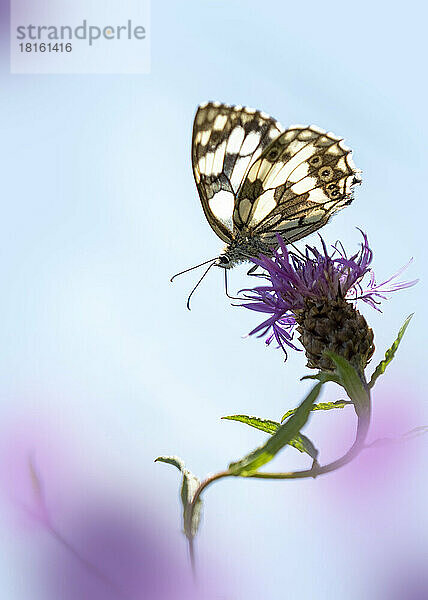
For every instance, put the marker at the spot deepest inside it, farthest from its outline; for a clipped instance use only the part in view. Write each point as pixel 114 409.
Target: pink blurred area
pixel 30 449
pixel 120 555
pixel 4 26
pixel 406 576
pixel 375 476
pixel 88 544
pixel 374 500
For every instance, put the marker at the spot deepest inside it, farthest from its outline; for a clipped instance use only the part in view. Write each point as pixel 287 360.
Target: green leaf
pixel 263 424
pixel 172 460
pixel 351 381
pixel 304 444
pixel 320 406
pixel 390 353
pixel 323 376
pixel 300 442
pixel 189 485
pixel 286 432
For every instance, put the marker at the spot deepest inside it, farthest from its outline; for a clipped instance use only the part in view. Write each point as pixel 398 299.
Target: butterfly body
pixel 257 180
pixel 241 249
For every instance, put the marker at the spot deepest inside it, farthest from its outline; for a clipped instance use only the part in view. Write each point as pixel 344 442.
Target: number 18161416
pixel 43 47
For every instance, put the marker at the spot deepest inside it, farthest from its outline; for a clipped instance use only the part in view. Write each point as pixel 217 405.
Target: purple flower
pixel 315 277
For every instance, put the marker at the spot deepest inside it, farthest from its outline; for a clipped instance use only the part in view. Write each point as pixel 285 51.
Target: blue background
pixel 99 209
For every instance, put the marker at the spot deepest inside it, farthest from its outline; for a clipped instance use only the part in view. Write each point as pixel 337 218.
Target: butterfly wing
pixel 225 143
pixel 299 181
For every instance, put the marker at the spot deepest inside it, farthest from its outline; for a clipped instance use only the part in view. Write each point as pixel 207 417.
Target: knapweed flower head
pixel 316 293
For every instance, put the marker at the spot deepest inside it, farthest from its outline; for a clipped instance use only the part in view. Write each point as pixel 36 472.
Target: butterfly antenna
pixel 195 267
pixel 197 285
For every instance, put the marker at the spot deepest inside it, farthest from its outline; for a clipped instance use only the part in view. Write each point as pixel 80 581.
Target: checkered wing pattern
pixel 299 181
pixel 227 140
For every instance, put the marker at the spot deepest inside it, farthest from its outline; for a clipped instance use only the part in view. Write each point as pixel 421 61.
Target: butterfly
pixel 256 180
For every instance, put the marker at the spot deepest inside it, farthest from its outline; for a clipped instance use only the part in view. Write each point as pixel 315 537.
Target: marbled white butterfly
pixel 256 180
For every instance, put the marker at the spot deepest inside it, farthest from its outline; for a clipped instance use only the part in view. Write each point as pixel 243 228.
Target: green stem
pixel 358 445
pixel 315 470
pixel 190 541
pixel 208 481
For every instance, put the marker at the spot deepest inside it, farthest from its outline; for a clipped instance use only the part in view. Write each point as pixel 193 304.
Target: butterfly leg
pixel 252 272
pixel 226 290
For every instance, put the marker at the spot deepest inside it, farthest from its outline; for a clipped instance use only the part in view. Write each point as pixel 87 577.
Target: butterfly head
pixel 224 261
pixel 240 249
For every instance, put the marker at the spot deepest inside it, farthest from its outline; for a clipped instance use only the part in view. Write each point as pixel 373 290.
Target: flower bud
pixel 334 325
